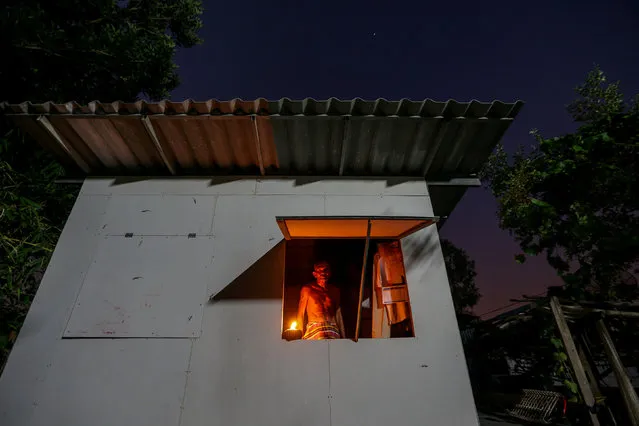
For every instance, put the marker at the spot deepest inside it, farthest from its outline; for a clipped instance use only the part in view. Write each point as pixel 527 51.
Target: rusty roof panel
pixel 132 132
pixel 305 137
pixel 209 143
pixel 108 142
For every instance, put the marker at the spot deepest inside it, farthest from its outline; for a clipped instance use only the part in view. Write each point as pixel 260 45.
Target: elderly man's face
pixel 322 273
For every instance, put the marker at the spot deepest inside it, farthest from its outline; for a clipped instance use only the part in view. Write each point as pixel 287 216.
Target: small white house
pixel 167 296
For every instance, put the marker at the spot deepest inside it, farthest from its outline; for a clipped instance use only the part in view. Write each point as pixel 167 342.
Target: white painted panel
pixel 96 186
pixel 159 215
pixel 402 186
pixel 302 185
pixel 342 205
pixel 110 382
pixel 245 230
pixel 327 186
pixel 409 382
pixel 390 186
pixel 318 186
pixel 28 365
pixel 143 287
pixel 172 186
pixel 243 373
pixel 242 216
pixel 234 256
pixel 431 300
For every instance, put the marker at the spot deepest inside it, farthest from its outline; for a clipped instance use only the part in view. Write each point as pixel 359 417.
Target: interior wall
pixel 345 257
pixel 300 255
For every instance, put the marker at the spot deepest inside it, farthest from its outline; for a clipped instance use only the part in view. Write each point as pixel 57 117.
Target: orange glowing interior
pixel 350 227
pixel 293 325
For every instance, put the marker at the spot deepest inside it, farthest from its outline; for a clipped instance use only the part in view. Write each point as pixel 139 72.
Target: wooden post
pixel 573 356
pixel 630 397
pixel 361 282
pixel 586 359
pixel 606 312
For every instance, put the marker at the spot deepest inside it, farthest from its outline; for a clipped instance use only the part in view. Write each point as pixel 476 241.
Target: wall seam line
pixel 330 396
pixel 186 382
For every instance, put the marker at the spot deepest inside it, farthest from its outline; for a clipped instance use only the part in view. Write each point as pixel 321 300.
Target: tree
pixel 461 276
pixel 72 50
pixel 69 50
pixel 574 197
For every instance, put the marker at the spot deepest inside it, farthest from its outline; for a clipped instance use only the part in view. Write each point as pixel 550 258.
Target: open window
pixel 366 265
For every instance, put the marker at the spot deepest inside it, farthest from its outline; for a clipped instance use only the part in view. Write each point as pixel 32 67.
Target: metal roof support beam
pixel 345 138
pixel 442 128
pixel 64 180
pixel 456 182
pixel 258 145
pixel 44 122
pixel 151 132
pixel 362 280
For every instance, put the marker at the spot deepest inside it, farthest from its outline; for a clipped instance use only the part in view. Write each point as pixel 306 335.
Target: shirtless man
pixel 321 303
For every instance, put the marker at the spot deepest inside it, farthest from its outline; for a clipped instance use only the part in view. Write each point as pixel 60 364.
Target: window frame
pixel 426 221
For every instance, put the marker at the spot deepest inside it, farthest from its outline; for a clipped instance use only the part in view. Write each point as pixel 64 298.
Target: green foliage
pixel 85 50
pixel 461 276
pixel 574 197
pixel 69 50
pixel 33 210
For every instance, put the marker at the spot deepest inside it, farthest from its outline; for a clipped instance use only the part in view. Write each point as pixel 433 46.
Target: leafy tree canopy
pixel 69 50
pixel 575 197
pixel 109 50
pixel 461 277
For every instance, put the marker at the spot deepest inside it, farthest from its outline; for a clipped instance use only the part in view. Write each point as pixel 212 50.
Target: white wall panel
pixel 314 185
pixel 114 382
pixel 159 215
pixel 169 186
pixel 344 205
pixel 246 216
pixel 238 371
pixel 29 363
pixel 143 287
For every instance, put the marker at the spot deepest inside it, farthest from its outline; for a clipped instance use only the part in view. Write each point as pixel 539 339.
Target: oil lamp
pixel 293 333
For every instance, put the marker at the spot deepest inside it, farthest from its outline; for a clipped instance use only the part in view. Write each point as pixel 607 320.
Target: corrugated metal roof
pixel 283 137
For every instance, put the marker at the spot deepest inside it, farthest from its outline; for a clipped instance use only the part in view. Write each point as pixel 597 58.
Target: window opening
pixel 345 277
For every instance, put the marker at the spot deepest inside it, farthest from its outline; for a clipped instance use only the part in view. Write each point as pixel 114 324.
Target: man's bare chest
pixel 322 298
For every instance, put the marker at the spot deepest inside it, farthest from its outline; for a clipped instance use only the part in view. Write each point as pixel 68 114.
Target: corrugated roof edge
pixel 282 107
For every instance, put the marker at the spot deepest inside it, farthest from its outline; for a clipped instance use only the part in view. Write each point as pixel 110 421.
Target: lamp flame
pixel 293 325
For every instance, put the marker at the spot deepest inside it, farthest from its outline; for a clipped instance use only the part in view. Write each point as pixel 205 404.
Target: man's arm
pixel 301 308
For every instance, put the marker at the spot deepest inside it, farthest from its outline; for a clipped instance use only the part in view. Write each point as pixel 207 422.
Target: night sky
pixel 533 51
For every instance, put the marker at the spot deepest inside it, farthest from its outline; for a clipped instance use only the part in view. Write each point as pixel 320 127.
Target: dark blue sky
pixel 536 52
